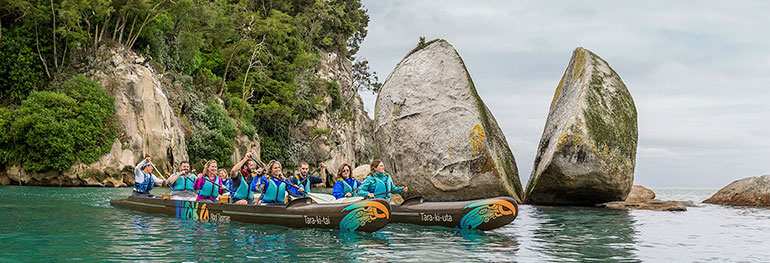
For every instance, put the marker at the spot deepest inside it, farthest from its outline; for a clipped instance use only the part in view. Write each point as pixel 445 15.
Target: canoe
pixel 364 216
pixel 483 214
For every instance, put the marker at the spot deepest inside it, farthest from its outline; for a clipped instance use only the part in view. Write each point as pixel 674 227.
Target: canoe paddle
pixel 159 173
pixel 220 186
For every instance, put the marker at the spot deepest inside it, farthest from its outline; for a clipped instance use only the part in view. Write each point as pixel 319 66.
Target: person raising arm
pixel 144 180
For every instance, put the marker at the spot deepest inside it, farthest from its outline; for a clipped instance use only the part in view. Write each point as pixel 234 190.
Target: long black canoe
pixel 483 214
pixel 365 215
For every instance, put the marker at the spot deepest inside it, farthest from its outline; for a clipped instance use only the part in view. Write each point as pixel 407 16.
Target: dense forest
pixel 257 56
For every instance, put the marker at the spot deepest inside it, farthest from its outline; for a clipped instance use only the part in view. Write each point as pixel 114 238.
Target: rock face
pixel 147 121
pixel 350 137
pixel 752 191
pixel 587 153
pixel 435 134
pixel 360 173
pixel 147 125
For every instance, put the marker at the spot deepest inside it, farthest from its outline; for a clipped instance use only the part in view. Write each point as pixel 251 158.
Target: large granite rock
pixel 434 133
pixel 587 153
pixel 752 191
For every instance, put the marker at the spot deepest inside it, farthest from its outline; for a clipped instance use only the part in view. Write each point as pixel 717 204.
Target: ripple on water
pixel 79 224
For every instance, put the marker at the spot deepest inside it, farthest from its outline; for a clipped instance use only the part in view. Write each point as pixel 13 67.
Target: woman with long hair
pixel 346 184
pixel 378 183
pixel 208 183
pixel 273 186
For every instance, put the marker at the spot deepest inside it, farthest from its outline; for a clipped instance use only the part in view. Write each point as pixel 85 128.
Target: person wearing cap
pixel 144 180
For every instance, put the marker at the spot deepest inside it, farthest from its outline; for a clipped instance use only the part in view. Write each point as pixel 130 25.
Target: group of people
pixel 245 179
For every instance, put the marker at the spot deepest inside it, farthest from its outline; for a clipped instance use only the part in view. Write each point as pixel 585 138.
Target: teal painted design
pixel 360 213
pixel 485 211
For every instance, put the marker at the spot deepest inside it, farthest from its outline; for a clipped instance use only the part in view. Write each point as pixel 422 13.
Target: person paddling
pixel 208 183
pixel 379 183
pixel 346 184
pixel 241 176
pixel 274 185
pixel 305 180
pixel 144 180
pixel 182 182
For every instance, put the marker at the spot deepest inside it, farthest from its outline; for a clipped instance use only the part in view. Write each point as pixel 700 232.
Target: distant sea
pixel 78 224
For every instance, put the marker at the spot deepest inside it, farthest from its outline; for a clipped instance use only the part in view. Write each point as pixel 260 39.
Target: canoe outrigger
pixel 483 214
pixel 364 215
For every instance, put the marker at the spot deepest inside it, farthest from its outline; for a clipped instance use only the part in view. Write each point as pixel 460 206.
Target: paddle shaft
pixel 220 186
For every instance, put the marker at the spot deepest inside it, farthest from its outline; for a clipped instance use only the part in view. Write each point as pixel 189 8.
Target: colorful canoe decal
pixel 485 211
pixel 192 210
pixel 361 213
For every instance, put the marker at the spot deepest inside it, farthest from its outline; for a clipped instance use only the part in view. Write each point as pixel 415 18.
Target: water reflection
pixel 581 233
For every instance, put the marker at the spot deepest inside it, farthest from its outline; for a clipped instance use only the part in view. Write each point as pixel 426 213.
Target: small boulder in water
pixel 752 191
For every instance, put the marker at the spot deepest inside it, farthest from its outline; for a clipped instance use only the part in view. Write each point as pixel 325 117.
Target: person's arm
pixel 238 165
pixel 199 183
pixel 157 180
pixel 172 179
pixel 293 180
pixel 399 190
pixel 316 180
pixel 138 174
pixel 221 190
pixel 338 190
pixel 364 189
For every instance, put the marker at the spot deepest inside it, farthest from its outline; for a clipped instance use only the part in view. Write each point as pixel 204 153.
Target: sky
pixel 698 71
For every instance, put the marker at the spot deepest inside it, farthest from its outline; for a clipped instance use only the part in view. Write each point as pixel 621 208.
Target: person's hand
pixel 348 195
pixel 147 159
pixel 260 170
pixel 322 164
pixel 248 155
pixel 405 188
pixel 301 190
pixel 370 195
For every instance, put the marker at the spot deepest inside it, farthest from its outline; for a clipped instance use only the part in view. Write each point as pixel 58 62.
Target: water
pixel 78 224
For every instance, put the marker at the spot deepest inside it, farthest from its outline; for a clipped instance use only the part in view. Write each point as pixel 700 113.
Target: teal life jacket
pixel 184 183
pixel 383 186
pixel 347 188
pixel 209 190
pixel 146 185
pixel 274 193
pixel 304 184
pixel 244 191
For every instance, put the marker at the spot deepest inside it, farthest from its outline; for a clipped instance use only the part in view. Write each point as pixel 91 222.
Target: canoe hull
pixel 364 216
pixel 483 214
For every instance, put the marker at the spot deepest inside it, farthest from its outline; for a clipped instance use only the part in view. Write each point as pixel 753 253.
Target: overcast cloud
pixel 698 72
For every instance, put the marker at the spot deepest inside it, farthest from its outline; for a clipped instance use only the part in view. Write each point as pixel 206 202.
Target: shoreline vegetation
pixel 237 75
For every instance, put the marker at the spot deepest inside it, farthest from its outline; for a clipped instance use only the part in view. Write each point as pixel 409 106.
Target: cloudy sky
pixel 699 72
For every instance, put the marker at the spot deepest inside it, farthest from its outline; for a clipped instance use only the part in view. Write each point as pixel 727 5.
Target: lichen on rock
pixel 587 153
pixel 435 134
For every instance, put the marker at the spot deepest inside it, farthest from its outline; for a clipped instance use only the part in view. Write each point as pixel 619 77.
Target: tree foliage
pixel 53 129
pixel 258 56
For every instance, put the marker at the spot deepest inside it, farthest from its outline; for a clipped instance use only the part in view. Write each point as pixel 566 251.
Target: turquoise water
pixel 78 224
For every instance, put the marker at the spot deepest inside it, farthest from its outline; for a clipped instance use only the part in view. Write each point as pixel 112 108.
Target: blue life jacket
pixel 274 193
pixel 303 184
pixel 146 185
pixel 244 191
pixel 184 183
pixel 209 190
pixel 383 186
pixel 347 188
